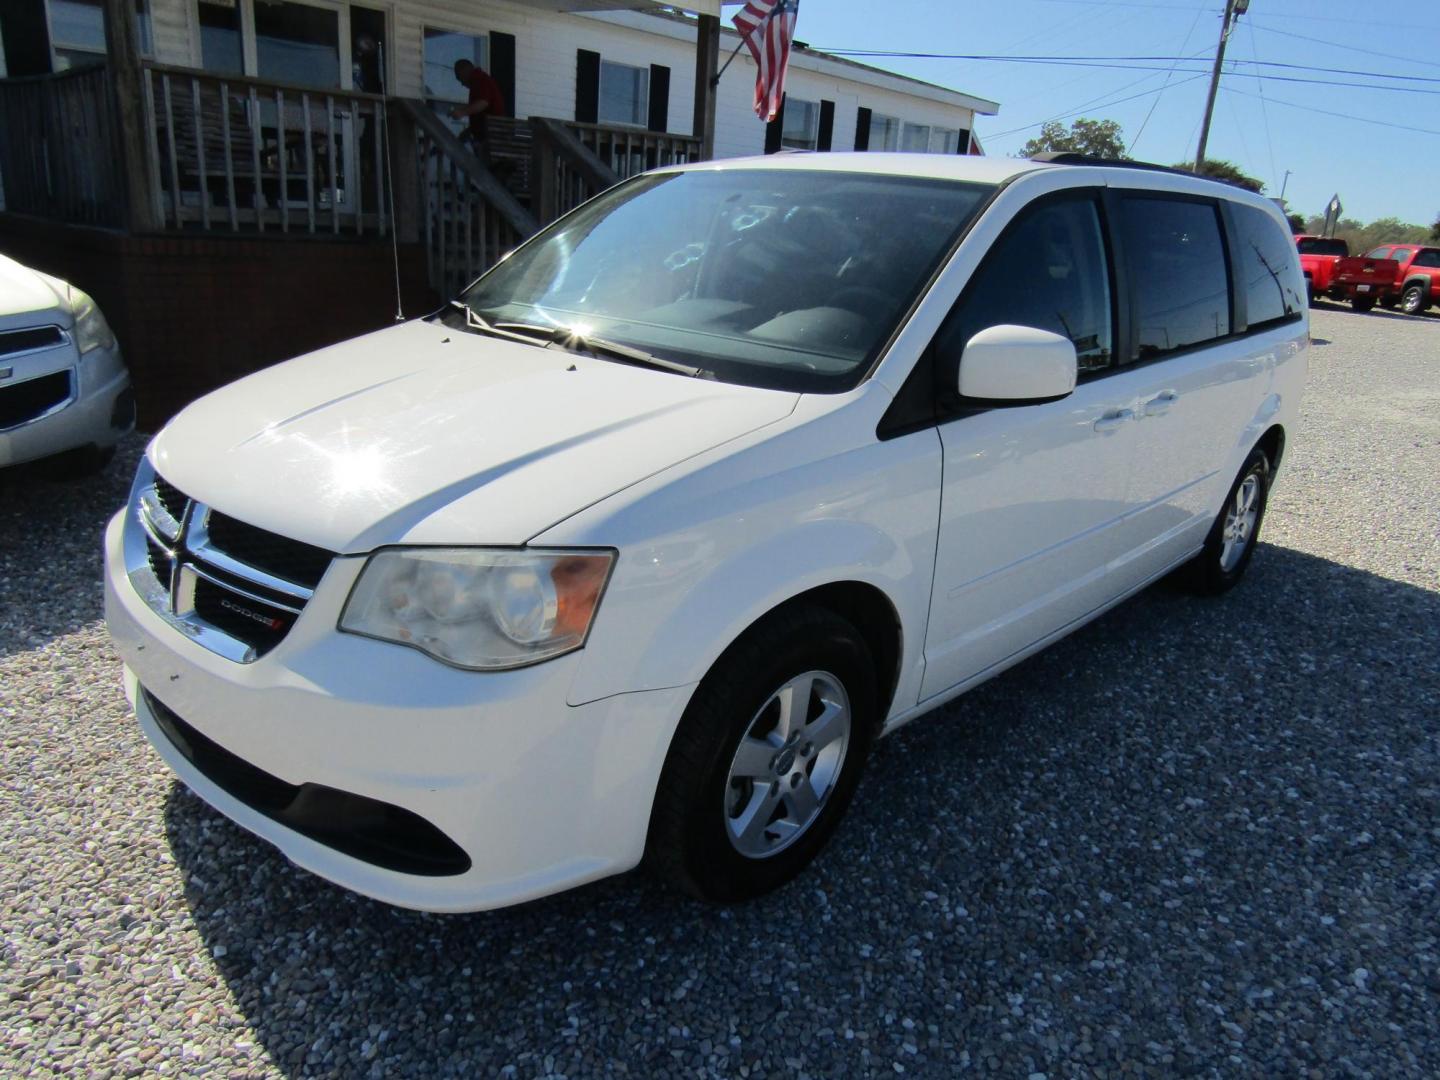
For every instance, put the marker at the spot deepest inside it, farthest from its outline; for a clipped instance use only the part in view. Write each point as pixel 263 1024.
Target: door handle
pixel 1114 419
pixel 1160 404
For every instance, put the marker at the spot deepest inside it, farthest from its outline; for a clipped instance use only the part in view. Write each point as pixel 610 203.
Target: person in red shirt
pixel 485 101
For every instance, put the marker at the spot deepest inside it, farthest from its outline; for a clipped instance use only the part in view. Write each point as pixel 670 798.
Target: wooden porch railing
pixel 58 147
pixel 468 219
pixel 231 152
pixel 630 151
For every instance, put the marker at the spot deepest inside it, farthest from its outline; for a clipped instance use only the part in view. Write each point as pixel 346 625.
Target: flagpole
pixel 716 80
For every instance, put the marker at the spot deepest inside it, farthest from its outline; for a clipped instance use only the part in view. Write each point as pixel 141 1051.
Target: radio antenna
pixel 390 184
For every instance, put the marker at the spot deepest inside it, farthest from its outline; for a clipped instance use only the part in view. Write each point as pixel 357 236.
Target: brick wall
pixel 195 312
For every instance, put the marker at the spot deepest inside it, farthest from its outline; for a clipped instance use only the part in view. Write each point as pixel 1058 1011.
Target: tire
pixel 1310 292
pixel 1362 303
pixel 737 761
pixel 1413 299
pixel 1221 563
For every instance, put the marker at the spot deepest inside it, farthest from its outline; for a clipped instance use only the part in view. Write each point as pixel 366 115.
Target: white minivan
pixel 631 550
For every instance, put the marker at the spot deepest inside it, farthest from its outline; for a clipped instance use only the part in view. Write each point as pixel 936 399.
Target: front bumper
pixel 539 795
pixel 101 412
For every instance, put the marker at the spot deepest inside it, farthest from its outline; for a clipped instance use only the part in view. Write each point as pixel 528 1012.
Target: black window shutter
pixel 964 147
pixel 659 97
pixel 773 130
pixel 827 125
pixel 502 67
pixel 862 129
pixel 587 86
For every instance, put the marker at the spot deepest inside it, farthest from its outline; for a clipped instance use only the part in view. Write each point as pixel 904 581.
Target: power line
pixel 1264 108
pixel 1082 108
pixel 1168 75
pixel 1024 59
pixel 1136 63
pixel 1354 48
pixel 1339 115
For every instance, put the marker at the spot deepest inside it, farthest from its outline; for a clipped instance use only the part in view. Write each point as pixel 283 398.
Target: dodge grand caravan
pixel 630 551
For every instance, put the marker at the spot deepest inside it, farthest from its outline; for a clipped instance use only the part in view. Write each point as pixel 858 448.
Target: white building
pixel 640 69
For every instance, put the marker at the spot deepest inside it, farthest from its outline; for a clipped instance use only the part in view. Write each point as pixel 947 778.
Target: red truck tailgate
pixel 1357 270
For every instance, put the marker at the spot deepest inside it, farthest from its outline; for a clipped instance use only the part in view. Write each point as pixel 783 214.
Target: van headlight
pixel 477 608
pixel 91 329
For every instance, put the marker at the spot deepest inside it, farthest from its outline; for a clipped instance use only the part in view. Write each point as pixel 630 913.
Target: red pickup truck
pixel 1318 256
pixel 1406 276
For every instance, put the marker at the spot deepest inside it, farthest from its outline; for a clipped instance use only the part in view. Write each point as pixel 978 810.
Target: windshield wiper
pixel 480 323
pixel 569 339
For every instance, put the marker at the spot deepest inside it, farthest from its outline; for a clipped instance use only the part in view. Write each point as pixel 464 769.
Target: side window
pixel 1268 277
pixel 1049 271
pixel 1427 258
pixel 1177 273
pixel 1400 254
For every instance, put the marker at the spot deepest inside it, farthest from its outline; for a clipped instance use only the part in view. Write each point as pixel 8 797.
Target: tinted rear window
pixel 1317 246
pixel 1177 265
pixel 1269 276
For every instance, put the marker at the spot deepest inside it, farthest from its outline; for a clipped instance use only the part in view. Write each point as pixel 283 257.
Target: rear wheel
pixel 1231 542
pixel 1413 299
pixel 1362 303
pixel 766 757
pixel 1310 290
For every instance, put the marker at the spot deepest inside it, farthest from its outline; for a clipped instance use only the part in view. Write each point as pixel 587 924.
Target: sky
pixel 1377 170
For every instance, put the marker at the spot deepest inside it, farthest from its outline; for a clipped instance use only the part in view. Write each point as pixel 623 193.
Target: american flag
pixel 768 27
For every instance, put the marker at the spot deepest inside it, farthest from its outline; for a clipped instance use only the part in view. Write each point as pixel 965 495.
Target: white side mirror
pixel 1017 364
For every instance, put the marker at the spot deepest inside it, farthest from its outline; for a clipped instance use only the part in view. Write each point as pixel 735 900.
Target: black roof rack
pixel 1070 157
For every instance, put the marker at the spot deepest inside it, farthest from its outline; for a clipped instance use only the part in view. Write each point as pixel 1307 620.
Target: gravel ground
pixel 1198 837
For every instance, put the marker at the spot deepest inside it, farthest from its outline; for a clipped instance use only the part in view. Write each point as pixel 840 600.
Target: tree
pixel 1362 237
pixel 1435 229
pixel 1094 138
pixel 1227 172
pixel 1297 222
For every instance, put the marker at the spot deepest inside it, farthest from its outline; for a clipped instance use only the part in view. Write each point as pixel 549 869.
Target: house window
pixel 297 43
pixel 624 94
pixel 944 140
pixel 802 124
pixel 77 31
pixel 221 48
pixel 442 49
pixel 884 132
pixel 915 138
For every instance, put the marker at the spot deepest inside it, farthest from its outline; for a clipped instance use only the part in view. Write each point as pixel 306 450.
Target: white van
pixel 631 550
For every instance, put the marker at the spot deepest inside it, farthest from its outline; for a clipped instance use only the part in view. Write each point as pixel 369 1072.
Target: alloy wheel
pixel 1240 517
pixel 787 764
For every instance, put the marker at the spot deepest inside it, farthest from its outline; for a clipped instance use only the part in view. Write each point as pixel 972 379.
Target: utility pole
pixel 1233 10
pixel 1284 184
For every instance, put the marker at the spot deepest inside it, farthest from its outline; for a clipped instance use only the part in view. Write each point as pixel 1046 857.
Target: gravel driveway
pixel 1197 837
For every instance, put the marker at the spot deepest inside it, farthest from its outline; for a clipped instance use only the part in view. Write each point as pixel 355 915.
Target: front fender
pixel 718 552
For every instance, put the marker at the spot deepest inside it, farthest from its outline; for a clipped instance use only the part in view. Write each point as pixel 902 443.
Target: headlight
pixel 477 608
pixel 91 329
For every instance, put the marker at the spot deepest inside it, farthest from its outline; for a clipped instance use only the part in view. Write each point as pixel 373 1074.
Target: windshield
pixel 1319 246
pixel 780 278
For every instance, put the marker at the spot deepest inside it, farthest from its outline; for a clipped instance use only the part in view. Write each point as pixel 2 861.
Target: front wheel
pixel 766 757
pixel 1231 541
pixel 1412 300
pixel 1362 303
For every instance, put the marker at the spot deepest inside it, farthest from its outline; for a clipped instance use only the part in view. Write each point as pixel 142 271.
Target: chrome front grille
pixel 234 588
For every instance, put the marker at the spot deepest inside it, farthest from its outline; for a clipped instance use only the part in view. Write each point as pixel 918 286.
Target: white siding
pixel 170 31
pixel 545 48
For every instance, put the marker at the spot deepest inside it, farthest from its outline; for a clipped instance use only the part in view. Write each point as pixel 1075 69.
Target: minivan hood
pixel 423 434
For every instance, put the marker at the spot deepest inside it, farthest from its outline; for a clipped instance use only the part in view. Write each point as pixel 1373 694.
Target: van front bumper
pixel 538 795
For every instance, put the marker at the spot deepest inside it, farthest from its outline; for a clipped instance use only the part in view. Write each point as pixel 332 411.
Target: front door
pixel 1033 495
